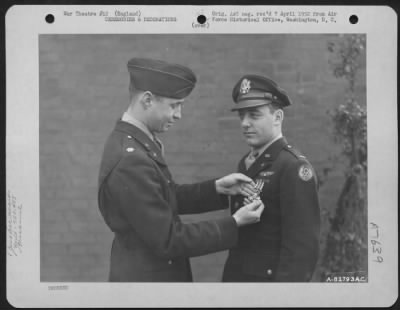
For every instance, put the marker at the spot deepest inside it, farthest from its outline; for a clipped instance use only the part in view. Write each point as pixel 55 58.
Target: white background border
pixel 23 26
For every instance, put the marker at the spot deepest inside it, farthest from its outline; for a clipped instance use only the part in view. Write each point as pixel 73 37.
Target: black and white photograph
pixel 219 159
pixel 90 123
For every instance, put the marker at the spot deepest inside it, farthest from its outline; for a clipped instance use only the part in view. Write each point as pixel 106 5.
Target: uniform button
pixel 269 272
pixel 129 137
pixel 170 262
pixel 289 146
pixel 168 181
pixel 146 145
pixel 130 149
pixel 262 164
pixel 154 154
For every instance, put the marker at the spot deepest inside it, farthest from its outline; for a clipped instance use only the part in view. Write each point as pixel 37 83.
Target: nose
pixel 245 122
pixel 178 112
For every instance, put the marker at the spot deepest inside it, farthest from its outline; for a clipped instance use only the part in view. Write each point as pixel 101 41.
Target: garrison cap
pixel 161 78
pixel 255 90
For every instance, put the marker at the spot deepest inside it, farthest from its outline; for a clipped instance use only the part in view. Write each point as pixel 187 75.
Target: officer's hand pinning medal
pixel 235 184
pixel 249 213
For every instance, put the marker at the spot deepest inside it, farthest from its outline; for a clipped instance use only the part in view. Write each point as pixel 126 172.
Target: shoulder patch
pixel 305 172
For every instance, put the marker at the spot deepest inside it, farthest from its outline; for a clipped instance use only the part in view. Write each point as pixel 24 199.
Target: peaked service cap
pixel 255 90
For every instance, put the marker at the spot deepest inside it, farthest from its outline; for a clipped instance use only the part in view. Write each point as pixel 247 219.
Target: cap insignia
pixel 245 86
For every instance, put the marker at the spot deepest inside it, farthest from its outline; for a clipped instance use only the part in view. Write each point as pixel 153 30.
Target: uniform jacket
pixel 283 246
pixel 140 203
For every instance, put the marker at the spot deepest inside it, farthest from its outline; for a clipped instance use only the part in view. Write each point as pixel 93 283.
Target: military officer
pixel 283 246
pixel 138 198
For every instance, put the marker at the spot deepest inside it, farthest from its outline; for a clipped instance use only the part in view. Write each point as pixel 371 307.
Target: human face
pixel 259 125
pixel 163 113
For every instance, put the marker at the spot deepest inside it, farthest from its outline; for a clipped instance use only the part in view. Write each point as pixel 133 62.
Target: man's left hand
pixel 235 184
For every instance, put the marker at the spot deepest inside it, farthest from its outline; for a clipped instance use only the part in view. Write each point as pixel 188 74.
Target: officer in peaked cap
pixel 137 197
pixel 284 245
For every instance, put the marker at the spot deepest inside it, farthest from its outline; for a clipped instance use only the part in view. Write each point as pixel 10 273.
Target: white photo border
pixel 24 24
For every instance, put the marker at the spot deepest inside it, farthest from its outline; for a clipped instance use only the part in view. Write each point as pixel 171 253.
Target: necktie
pixel 159 144
pixel 251 159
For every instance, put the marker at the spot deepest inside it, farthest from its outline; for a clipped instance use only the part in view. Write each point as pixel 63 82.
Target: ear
pixel 146 100
pixel 279 115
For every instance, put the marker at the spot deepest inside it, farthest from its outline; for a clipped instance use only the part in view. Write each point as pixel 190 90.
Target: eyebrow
pixel 176 103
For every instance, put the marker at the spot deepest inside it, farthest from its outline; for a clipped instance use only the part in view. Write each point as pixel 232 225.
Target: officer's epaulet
pixel 129 145
pixel 295 152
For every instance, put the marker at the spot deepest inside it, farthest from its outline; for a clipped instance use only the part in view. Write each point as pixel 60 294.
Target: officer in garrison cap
pixel 137 197
pixel 283 246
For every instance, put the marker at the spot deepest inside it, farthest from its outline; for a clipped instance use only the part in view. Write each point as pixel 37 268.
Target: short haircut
pixel 274 107
pixel 133 91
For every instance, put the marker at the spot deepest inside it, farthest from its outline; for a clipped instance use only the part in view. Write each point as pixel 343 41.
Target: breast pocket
pixel 167 183
pixel 270 188
pixel 171 193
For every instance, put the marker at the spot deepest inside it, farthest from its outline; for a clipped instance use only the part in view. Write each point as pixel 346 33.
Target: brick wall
pixel 84 89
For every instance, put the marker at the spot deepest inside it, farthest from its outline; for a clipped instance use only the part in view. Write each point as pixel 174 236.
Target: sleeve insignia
pixel 305 172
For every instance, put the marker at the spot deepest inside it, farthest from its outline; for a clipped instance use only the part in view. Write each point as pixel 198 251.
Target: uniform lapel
pixel 152 149
pixel 242 165
pixel 265 160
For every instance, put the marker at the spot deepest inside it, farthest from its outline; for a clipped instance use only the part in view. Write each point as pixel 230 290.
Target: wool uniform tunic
pixel 141 204
pixel 284 245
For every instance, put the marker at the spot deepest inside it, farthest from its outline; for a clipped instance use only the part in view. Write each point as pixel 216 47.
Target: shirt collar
pixel 133 121
pixel 264 148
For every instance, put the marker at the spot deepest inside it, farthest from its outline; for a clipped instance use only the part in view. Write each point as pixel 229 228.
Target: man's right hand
pixel 249 214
